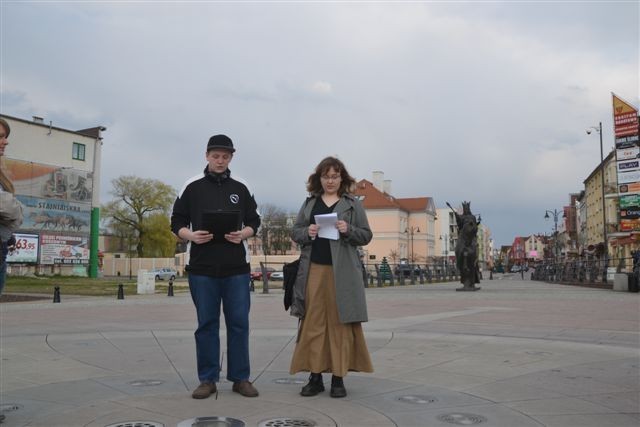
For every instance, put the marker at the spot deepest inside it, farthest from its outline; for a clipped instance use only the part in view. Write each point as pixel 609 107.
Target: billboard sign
pixel 629 188
pixel 628 153
pixel 26 249
pixel 626 132
pixel 630 225
pixel 55 215
pixel 627 166
pixel 630 201
pixel 58 249
pixel 625 121
pixel 629 177
pixel 630 213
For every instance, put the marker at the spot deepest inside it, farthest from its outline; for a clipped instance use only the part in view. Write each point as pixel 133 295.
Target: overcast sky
pixel 479 101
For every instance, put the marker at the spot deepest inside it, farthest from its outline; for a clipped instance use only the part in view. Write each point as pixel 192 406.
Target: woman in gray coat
pixel 328 294
pixel 10 208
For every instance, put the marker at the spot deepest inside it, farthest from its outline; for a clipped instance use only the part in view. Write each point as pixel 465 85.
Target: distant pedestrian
pixel 10 207
pixel 218 267
pixel 329 292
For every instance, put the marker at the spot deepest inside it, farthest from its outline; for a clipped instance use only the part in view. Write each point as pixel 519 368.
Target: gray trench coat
pixel 347 267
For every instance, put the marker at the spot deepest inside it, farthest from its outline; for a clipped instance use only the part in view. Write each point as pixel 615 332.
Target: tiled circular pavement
pixel 517 353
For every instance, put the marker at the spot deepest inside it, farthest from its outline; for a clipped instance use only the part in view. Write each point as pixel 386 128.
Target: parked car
pixel 164 273
pixel 406 270
pixel 515 269
pixel 277 275
pixel 256 274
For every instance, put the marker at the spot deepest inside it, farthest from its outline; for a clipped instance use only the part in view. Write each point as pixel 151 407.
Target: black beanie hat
pixel 222 142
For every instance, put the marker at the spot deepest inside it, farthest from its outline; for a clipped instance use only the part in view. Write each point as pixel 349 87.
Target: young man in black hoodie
pixel 218 266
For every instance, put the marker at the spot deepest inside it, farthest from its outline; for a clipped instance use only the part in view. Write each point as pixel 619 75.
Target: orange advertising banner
pixel 625 118
pixel 633 187
pixel 629 224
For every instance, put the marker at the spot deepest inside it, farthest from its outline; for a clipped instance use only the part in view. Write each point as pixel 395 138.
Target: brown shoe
pixel 204 390
pixel 245 388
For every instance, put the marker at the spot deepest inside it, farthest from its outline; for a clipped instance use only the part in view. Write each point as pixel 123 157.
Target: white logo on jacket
pixel 234 198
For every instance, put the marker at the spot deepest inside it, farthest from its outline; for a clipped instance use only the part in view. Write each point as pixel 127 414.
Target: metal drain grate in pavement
pixel 136 424
pixel 145 383
pixel 287 422
pixel 289 381
pixel 417 399
pixel 462 419
pixel 211 422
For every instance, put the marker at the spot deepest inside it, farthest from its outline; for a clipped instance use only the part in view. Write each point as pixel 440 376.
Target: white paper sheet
pixel 327 226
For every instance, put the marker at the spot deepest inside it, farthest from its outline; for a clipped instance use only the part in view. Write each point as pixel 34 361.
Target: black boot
pixel 337 387
pixel 314 386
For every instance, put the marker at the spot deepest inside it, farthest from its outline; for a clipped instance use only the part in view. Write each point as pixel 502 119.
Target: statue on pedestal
pixel 467 248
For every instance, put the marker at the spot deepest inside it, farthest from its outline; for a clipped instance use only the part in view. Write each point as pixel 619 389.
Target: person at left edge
pixel 10 207
pixel 218 272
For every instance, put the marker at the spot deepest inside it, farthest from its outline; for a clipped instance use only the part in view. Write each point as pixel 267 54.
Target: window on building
pixel 77 152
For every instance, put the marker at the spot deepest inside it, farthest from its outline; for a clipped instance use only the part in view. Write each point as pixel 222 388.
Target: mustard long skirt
pixel 324 344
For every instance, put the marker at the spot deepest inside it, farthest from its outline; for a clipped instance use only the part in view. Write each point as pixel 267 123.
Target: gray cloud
pixel 485 102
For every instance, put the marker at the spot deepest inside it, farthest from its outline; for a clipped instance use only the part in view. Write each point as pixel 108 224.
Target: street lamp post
pixel 604 216
pixel 265 276
pixel 445 239
pixel 411 231
pixel 555 214
pixel 445 253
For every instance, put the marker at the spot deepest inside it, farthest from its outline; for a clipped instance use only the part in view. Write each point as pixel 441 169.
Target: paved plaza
pixel 517 353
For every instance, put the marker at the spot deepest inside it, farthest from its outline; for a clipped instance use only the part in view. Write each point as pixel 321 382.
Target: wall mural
pixel 55 215
pixel 51 182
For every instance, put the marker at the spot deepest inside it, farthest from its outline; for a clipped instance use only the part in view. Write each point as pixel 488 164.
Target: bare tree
pixel 276 229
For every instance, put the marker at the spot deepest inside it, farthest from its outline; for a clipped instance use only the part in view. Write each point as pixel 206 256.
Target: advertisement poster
pixel 26 249
pixel 55 215
pixel 628 153
pixel 629 188
pixel 57 249
pixel 629 224
pixel 628 177
pixel 626 166
pixel 625 122
pixel 626 132
pixel 629 201
pixel 630 213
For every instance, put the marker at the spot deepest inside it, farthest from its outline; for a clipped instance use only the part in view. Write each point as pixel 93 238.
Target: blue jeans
pixel 207 293
pixel 3 265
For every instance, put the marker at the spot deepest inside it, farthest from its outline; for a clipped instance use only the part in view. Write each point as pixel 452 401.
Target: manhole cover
pixel 211 422
pixel 136 424
pixel 462 419
pixel 287 422
pixel 9 407
pixel 145 383
pixel 417 399
pixel 289 381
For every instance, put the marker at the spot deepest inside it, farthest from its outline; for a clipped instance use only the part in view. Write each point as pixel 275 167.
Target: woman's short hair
pixel 347 183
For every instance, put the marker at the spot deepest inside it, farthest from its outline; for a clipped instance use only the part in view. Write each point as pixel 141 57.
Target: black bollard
pixel 170 290
pixel 56 294
pixel 120 291
pixel 491 274
pixel 252 286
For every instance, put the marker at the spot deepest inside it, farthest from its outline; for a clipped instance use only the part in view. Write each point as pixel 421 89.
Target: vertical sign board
pixel 625 128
